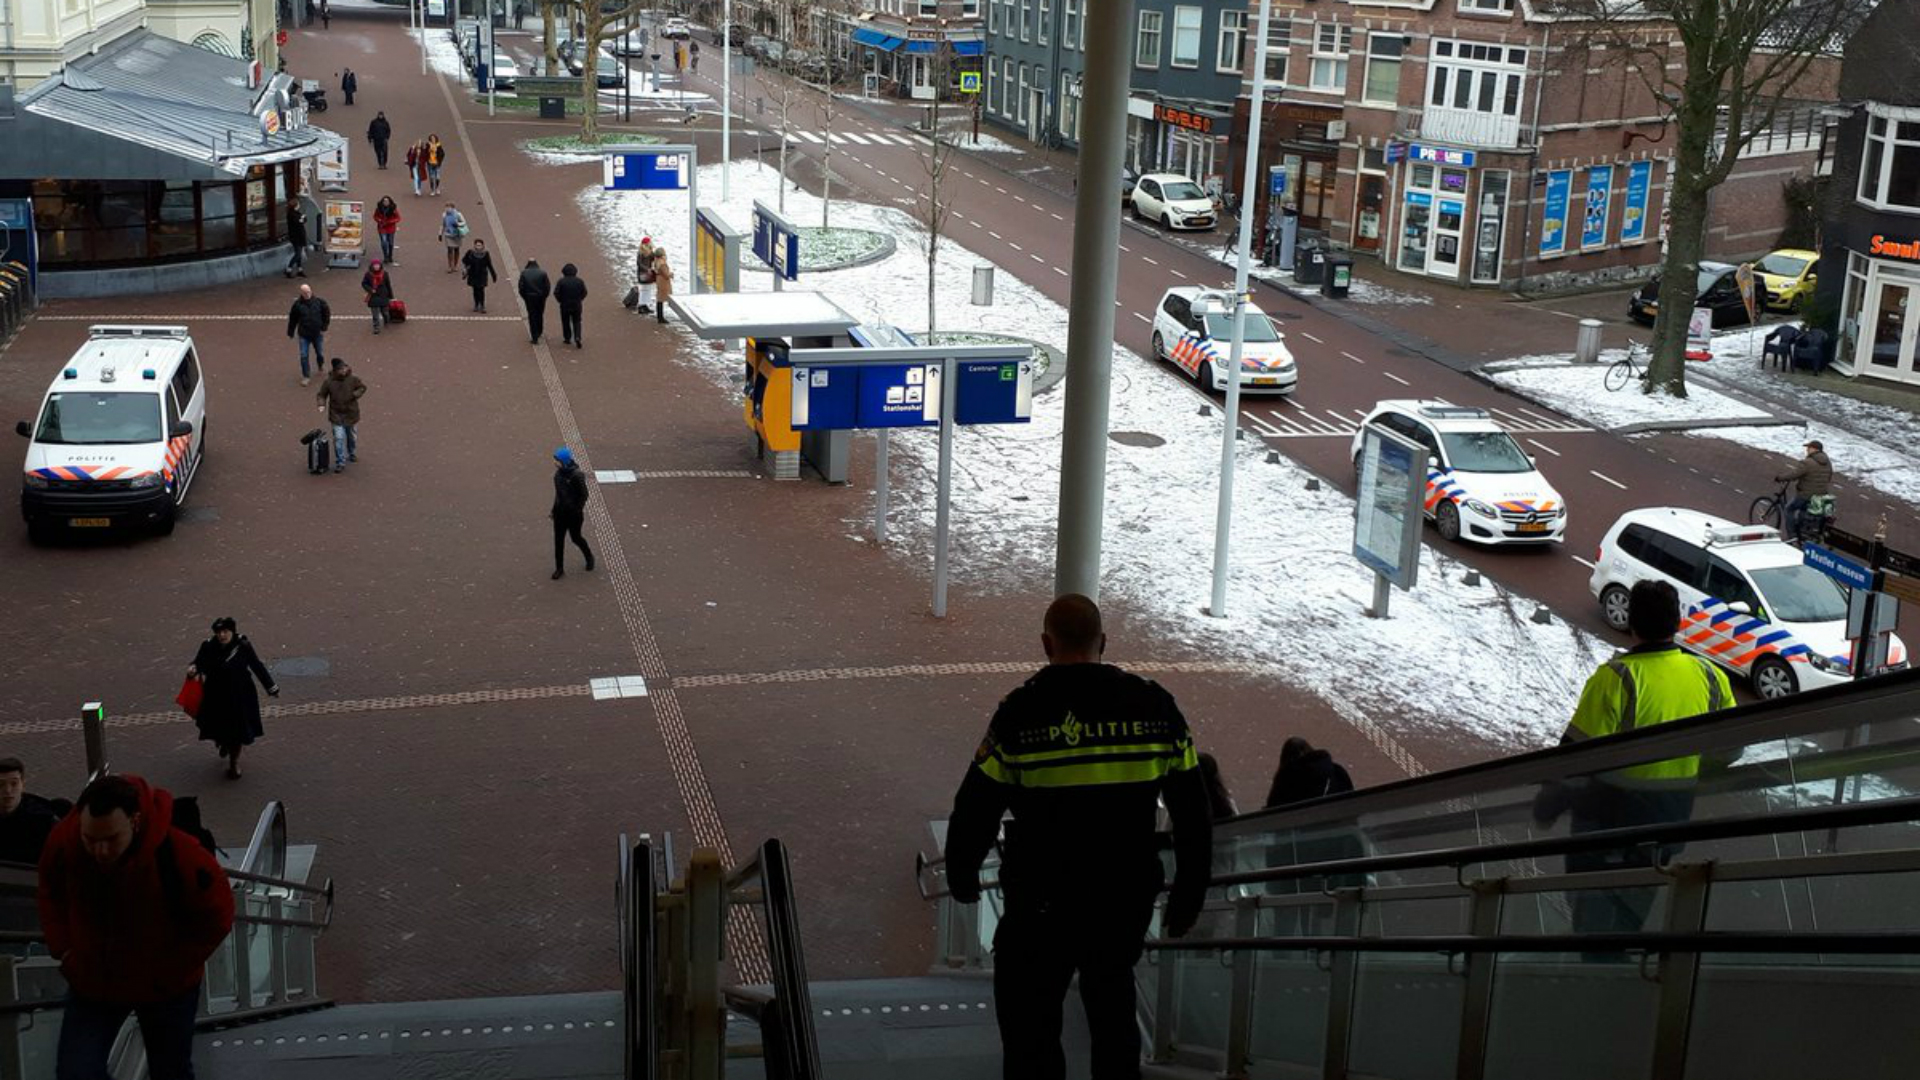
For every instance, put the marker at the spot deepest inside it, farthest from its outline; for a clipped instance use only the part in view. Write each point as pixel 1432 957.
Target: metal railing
pixel 1801 833
pixel 673 945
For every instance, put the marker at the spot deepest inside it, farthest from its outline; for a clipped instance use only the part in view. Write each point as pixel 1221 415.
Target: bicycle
pixel 1625 369
pixel 1815 519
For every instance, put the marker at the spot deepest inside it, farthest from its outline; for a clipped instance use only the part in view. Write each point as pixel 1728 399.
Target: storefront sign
pixel 1440 155
pixel 1396 152
pixel 1633 219
pixel 1193 121
pixel 1894 249
pixel 922 35
pixel 1553 223
pixel 330 169
pixel 1593 232
pixel 1700 334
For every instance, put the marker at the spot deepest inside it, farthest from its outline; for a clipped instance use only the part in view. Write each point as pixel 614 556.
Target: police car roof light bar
pixel 124 330
pixel 1741 534
pixel 1441 410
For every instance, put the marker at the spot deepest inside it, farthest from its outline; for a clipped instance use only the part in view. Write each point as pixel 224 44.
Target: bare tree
pixel 935 161
pixel 1736 65
pixel 788 94
pixel 602 22
pixel 834 12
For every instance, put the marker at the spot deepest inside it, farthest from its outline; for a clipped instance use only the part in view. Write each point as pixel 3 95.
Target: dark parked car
pixel 741 32
pixel 1128 178
pixel 1714 289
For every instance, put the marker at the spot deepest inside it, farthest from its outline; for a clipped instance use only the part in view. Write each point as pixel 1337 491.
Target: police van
pixel 120 435
pixel 1747 600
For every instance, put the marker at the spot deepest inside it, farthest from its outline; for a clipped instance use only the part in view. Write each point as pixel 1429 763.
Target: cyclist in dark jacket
pixel 1812 478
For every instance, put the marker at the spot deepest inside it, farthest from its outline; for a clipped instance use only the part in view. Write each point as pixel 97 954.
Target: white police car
pixel 1480 485
pixel 1193 329
pixel 1747 601
pixel 120 435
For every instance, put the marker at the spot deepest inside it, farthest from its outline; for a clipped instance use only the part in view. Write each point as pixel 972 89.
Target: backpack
pixel 460 224
pixel 186 818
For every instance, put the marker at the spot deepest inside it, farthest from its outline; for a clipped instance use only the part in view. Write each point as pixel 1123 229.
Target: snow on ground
pixel 1359 291
pixel 1578 390
pixel 1462 657
pixel 960 134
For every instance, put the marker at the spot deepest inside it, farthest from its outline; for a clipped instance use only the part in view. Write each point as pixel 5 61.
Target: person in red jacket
pixel 131 907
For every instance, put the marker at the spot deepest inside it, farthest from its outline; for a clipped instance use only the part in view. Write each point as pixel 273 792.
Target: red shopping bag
pixel 189 697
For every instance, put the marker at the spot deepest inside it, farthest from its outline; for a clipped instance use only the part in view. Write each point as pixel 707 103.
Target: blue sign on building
pixel 1633 220
pixel 776 242
pixel 1553 220
pixel 645 171
pixel 1276 180
pixel 1838 567
pixel 993 392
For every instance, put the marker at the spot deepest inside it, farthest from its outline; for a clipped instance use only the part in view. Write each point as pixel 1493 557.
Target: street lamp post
pixel 1223 516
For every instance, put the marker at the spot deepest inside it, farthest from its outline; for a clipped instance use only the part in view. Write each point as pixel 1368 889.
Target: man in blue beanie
pixel 569 510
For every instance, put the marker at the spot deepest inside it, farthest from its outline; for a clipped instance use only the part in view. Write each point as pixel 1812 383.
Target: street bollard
pixel 93 728
pixel 1586 348
pixel 983 285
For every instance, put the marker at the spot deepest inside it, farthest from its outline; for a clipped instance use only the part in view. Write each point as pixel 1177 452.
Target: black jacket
pixel 570 293
pixel 229 707
pixel 381 296
pixel 349 83
pixel 1313 775
pixel 23 833
pixel 309 317
pixel 1075 838
pixel 379 131
pixel 534 286
pixel 479 267
pixel 569 491
pixel 297 229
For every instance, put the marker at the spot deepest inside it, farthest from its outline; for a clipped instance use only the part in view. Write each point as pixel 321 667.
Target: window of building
pixel 1187 23
pixel 970 8
pixel 1331 44
pixel 1476 78
pixel 1021 108
pixel 993 16
pixel 929 7
pixel 1279 48
pixel 1070 86
pixel 1146 50
pixel 1383 68
pixel 1232 43
pixel 1070 24
pixel 1026 20
pixel 1498 6
pixel 1043 29
pixel 1890 174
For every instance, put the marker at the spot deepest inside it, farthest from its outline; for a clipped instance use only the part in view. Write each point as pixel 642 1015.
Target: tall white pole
pixel 1223 520
pixel 423 34
pixel 726 103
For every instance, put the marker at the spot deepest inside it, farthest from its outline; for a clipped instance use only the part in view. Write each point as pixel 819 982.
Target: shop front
pixel 1450 211
pixel 1878 327
pixel 1304 142
pixel 919 62
pixel 1193 138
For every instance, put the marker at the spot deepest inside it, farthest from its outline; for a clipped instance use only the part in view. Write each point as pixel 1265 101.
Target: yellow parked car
pixel 1788 275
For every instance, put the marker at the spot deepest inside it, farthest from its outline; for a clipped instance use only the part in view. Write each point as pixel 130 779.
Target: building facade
pixel 1186 72
pixel 1485 142
pixel 1870 234
pixel 39 37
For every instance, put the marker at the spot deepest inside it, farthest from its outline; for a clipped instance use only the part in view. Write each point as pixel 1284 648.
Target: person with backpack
pixel 534 290
pixel 453 228
pixel 229 716
pixel 132 902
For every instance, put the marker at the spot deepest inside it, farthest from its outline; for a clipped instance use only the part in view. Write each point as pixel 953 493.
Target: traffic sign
pixel 1838 567
pixel 1276 180
pixel 644 171
pixel 969 82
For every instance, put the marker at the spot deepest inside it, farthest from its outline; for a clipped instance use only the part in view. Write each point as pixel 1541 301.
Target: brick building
pixel 1487 143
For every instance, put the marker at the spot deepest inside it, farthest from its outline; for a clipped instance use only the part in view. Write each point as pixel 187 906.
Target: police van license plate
pixel 1533 526
pixel 1264 380
pixel 89 523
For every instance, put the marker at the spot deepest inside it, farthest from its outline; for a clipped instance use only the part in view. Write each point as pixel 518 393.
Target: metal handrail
pixel 795 1053
pixel 270 836
pixel 637 889
pixel 1710 941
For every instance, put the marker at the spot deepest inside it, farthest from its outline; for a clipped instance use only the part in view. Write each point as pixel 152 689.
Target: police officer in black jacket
pixel 1082 754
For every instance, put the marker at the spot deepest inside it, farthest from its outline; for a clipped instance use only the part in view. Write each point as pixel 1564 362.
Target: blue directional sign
pixel 898 395
pixel 1276 180
pixel 1838 567
pixel 645 171
pixel 993 392
pixel 825 398
pixel 776 242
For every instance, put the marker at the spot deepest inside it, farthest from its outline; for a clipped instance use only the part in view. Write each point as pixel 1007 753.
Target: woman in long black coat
pixel 226 666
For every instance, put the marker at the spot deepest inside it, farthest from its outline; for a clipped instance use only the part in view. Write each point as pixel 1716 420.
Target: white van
pixel 120 434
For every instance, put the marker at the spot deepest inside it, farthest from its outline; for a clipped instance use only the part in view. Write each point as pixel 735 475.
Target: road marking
pixel 1055 216
pixel 1000 189
pixel 1180 275
pixel 1582 561
pixel 1032 256
pixel 1264 427
pixel 858 139
pixel 1609 479
pixel 1311 338
pixel 981 181
pixel 1149 260
pixel 993 234
pixel 1015 246
pixel 1353 358
pixel 1019 199
pixel 1537 416
pixel 1136 314
pixel 1545 447
pixel 810 136
pixel 1063 273
pixel 1124 247
pixel 1396 378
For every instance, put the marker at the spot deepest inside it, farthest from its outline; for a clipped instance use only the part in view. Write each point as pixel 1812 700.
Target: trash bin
pixel 1309 263
pixel 553 108
pixel 1586 347
pixel 983 285
pixel 1338 278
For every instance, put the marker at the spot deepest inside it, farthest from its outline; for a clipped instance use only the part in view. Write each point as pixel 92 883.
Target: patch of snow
pixel 961 135
pixel 1464 659
pixel 1359 290
pixel 1578 390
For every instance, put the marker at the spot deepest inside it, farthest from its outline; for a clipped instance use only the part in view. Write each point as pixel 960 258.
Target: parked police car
pixel 1193 328
pixel 1480 485
pixel 1747 601
pixel 120 435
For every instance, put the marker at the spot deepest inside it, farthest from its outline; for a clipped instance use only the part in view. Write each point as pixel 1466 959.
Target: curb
pixel 887 250
pixel 1650 426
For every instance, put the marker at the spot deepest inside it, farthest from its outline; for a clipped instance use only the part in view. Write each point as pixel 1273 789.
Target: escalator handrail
pixel 793 1000
pixel 269 839
pixel 1858 943
pixel 638 907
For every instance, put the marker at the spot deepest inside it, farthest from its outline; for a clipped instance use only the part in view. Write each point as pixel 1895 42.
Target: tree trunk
pixel 590 77
pixel 1687 192
pixel 552 47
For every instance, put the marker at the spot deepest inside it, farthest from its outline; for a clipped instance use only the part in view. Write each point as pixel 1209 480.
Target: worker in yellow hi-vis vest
pixel 1651 683
pixel 1082 754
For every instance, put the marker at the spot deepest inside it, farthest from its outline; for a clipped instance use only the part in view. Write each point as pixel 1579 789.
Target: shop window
pixel 1850 302
pixel 1187 23
pixel 1383 68
pixel 1890 173
pixel 1042 28
pixel 1500 7
pixel 1331 44
pixel 219 222
pixel 1146 50
pixel 176 227
pixel 1232 43
pixel 1279 48
pixel 1069 105
pixel 1489 225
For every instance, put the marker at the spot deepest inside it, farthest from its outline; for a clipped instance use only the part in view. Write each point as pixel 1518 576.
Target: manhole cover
pixel 1137 438
pixel 316 667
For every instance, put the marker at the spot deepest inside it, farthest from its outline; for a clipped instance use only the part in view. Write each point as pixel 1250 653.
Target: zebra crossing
pixel 1289 419
pixel 846 138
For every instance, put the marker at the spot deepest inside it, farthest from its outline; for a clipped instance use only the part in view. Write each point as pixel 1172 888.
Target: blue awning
pixel 922 46
pixel 969 48
pixel 875 39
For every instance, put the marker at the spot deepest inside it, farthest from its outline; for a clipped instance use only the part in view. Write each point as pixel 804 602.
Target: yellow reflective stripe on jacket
pixel 1089 765
pixel 1637 690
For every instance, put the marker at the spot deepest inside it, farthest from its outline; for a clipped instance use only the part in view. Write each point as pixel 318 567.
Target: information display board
pixel 330 170
pixel 343 220
pixel 716 253
pixel 776 241
pixel 645 171
pixel 1387 511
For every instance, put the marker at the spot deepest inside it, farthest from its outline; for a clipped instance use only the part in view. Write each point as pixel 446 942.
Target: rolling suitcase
pixel 319 451
pixel 397 311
